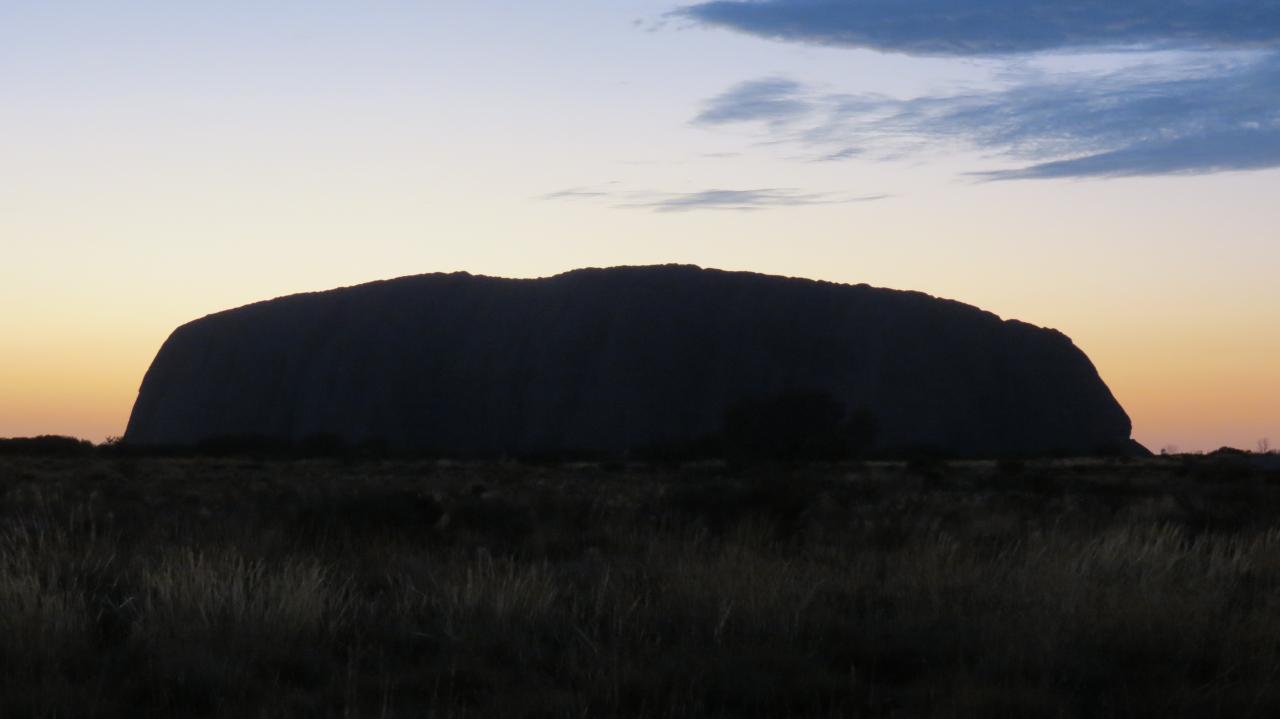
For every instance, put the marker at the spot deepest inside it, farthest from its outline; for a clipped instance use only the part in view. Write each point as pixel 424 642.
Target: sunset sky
pixel 1109 169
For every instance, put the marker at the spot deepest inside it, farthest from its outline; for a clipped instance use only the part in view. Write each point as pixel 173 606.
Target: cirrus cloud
pixel 1213 115
pixel 769 99
pixel 713 199
pixel 744 200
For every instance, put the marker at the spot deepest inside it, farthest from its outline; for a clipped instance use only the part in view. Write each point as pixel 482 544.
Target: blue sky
pixel 1106 168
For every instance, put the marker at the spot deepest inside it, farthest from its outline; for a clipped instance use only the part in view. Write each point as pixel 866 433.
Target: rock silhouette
pixel 612 360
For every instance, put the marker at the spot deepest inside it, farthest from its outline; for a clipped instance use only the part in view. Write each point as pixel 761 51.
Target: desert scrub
pixel 230 588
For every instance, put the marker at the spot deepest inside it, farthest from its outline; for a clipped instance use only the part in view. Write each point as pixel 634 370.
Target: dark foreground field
pixel 235 588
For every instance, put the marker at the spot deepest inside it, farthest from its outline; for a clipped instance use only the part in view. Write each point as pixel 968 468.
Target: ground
pixel 137 586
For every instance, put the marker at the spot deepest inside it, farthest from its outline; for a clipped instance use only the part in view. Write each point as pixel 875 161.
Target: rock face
pixel 618 359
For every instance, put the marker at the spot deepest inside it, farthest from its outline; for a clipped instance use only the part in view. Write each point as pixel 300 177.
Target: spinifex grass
pixel 145 587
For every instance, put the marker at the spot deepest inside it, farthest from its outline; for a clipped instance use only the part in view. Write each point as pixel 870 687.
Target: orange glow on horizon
pixel 1191 387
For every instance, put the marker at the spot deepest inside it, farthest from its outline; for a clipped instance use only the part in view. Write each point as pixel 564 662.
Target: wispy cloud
pixel 770 99
pixel 575 193
pixel 1210 116
pixel 987 27
pixel 1212 152
pixel 841 154
pixel 744 200
pixel 713 199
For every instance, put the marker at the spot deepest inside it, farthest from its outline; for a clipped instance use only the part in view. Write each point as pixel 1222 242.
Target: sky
pixel 1110 169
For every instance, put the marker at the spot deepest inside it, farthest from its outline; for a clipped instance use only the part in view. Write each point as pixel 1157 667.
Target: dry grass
pixel 233 588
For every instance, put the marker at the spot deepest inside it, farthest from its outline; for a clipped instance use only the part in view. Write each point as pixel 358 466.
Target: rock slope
pixel 618 359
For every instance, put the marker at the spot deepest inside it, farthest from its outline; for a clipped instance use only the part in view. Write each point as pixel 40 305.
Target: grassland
pixel 239 588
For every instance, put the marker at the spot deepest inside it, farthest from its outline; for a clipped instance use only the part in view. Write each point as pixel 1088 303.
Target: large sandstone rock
pixel 618 359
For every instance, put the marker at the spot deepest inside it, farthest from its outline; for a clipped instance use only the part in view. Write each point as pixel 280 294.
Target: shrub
pixel 45 445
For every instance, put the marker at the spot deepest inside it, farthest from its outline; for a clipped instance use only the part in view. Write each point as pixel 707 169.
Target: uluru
pixel 619 359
